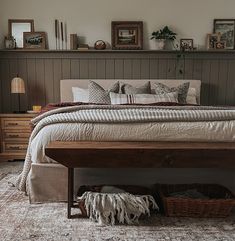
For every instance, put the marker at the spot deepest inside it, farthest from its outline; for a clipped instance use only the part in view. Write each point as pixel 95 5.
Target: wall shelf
pixel 114 51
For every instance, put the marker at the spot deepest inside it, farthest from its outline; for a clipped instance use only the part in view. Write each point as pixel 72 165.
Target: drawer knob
pixel 13 136
pixel 15 147
pixel 13 124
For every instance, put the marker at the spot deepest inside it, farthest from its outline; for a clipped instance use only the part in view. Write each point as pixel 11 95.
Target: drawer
pixel 14 147
pixel 20 123
pixel 14 135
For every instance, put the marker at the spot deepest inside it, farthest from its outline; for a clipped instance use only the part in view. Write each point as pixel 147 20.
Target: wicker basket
pixel 220 202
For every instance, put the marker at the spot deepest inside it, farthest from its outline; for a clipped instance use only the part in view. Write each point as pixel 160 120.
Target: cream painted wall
pixel 92 18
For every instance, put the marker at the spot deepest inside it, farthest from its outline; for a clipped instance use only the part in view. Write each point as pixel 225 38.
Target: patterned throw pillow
pixel 129 89
pixel 117 99
pixel 182 91
pixel 99 95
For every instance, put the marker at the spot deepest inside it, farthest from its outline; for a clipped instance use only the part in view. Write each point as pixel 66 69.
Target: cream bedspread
pixel 105 123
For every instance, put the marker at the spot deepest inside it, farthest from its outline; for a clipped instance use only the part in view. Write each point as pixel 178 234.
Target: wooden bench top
pixel 84 154
pixel 79 145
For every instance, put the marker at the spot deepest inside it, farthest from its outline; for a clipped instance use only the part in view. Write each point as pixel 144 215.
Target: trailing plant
pixel 164 33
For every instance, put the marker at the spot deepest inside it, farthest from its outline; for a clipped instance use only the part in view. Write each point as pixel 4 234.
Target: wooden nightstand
pixel 14 135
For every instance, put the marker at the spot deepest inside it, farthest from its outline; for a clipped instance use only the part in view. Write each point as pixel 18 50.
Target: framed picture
pixel 34 40
pixel 212 39
pixel 16 28
pixel 127 35
pixel 226 29
pixel 186 44
pixel 220 45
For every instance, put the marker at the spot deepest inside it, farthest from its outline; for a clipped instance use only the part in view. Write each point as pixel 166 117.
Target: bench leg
pixel 70 190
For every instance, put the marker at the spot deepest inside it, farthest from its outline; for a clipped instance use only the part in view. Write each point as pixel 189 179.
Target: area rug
pixel 20 220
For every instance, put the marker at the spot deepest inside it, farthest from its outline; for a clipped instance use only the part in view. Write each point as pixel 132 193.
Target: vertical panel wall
pixel 43 70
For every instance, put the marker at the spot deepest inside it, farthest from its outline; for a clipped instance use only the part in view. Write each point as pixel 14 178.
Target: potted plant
pixel 161 36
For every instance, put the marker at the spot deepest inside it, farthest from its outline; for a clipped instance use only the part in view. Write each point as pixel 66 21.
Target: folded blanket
pixel 109 208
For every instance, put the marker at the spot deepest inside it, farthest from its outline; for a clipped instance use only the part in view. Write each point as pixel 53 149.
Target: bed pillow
pixel 181 89
pixel 117 99
pixel 99 95
pixel 80 95
pixel 129 89
pixel 192 97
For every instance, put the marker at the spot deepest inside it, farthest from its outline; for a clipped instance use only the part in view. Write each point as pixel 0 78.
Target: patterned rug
pixel 21 221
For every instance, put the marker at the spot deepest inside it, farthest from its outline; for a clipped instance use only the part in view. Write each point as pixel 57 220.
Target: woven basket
pixel 220 202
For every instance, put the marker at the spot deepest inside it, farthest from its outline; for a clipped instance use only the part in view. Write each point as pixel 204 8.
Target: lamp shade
pixel 17 86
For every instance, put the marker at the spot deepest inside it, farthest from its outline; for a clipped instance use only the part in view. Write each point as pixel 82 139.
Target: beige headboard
pixel 67 84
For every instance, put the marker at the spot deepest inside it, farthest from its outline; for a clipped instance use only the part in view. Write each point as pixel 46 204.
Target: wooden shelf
pixel 112 51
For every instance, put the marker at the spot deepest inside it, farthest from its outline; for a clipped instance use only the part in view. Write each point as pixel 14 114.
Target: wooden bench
pixel 84 154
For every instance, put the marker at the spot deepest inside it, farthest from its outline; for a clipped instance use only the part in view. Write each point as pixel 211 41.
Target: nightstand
pixel 15 131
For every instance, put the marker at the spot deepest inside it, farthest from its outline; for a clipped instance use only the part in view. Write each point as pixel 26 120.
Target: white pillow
pixel 117 99
pixel 80 95
pixel 191 97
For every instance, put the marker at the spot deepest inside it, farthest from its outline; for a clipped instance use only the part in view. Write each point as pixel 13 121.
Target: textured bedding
pixel 126 123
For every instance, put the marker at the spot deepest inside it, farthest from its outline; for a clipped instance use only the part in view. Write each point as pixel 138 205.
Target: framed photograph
pixel 220 45
pixel 16 28
pixel 127 35
pixel 34 40
pixel 212 39
pixel 226 29
pixel 186 44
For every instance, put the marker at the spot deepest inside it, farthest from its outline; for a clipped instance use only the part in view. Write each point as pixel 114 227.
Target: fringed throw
pixel 109 208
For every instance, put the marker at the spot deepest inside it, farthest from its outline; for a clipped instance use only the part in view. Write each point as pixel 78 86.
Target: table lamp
pixel 18 87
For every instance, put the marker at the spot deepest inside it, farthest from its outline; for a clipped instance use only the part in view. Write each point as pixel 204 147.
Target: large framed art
pixel 225 27
pixel 127 35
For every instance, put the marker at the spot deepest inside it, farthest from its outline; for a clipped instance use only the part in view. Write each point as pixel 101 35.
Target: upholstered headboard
pixel 67 84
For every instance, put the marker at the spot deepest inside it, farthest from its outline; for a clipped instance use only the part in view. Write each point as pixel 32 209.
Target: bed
pixel 44 180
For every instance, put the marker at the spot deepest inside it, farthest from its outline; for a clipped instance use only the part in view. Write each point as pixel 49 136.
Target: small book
pixel 83 47
pixel 73 41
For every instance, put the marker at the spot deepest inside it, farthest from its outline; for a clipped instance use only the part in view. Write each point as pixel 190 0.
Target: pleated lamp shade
pixel 17 86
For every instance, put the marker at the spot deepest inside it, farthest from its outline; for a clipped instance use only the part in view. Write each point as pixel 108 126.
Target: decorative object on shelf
pixel 62 35
pixel 163 35
pixel 56 33
pixel 220 45
pixel 65 35
pixel 100 45
pixel 127 35
pixel 186 44
pixel 18 87
pixel 226 28
pixel 73 41
pixel 16 28
pixel 83 47
pixel 34 40
pixel 212 39
pixel 10 42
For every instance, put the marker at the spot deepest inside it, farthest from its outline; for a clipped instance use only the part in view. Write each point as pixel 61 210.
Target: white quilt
pixel 105 123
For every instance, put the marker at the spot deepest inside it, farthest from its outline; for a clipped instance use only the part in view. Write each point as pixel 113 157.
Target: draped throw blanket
pixel 120 114
pixel 109 208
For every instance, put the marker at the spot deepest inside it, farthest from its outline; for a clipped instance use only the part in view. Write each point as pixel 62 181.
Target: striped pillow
pixel 117 99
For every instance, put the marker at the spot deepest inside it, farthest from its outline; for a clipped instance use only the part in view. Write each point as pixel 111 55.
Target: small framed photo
pixel 220 45
pixel 34 40
pixel 186 44
pixel 127 35
pixel 226 28
pixel 212 39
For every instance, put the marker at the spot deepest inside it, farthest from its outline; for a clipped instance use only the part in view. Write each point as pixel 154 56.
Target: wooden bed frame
pixel 84 154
